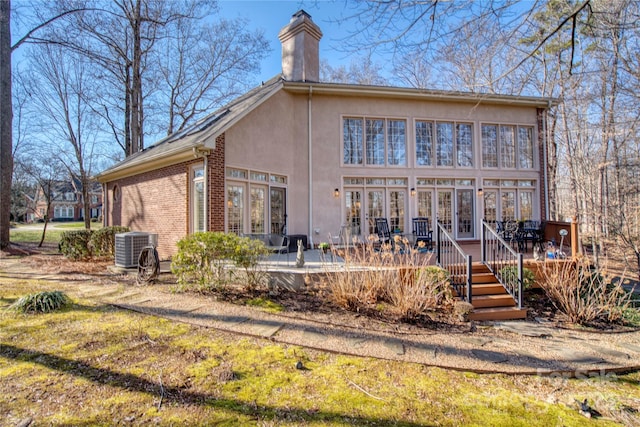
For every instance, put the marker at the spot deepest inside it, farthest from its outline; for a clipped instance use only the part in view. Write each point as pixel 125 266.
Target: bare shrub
pixel 394 273
pixel 424 291
pixel 585 294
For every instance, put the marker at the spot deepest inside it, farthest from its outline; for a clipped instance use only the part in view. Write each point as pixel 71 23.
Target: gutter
pixel 310 148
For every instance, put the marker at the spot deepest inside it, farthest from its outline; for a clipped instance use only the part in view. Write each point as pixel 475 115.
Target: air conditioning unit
pixel 129 245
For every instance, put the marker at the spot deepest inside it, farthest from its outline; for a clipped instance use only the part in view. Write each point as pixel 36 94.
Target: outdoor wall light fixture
pixel 336 193
pixel 480 192
pixel 413 192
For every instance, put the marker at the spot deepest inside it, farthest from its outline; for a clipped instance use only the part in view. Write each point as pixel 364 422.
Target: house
pixel 66 201
pixel 309 158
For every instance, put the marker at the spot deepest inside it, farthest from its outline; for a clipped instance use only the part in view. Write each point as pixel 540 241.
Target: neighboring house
pixel 315 158
pixel 66 202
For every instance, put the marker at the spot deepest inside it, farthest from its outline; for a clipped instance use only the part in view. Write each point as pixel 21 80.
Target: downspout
pixel 310 168
pixel 105 200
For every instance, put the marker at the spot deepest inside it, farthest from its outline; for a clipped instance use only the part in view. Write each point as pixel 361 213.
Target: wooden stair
pixel 490 300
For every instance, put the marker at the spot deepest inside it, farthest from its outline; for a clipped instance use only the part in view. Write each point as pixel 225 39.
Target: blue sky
pixel 271 16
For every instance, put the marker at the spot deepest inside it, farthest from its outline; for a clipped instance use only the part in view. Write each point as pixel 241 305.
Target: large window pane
pixel 424 143
pixel 464 142
pixel 375 141
pixel 397 146
pixel 353 141
pixel 525 146
pixel 396 211
pixel 444 147
pixel 490 146
pixel 507 147
pixel 257 209
pixel 235 208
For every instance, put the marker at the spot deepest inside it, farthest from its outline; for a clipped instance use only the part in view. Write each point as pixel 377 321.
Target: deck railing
pixel 503 261
pixel 451 257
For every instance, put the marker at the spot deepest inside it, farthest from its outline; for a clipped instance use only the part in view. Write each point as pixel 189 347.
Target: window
pixel 507 147
pixel 453 144
pixel 424 143
pixel 235 208
pixel 198 202
pixel 384 142
pixel 352 135
pixel 444 144
pixel 258 196
pixel 397 149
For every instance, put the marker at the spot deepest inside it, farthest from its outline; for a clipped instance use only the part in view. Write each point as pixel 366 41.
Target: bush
pixel 584 293
pixel 42 302
pixel 75 244
pixel 510 275
pixel 211 260
pixel 102 241
pixel 371 275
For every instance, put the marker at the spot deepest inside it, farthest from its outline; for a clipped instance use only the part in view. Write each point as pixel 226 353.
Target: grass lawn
pixel 32 233
pixel 97 365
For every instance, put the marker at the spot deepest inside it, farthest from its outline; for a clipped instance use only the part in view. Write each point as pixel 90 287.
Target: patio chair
pixel 382 229
pixel 279 243
pixel 422 232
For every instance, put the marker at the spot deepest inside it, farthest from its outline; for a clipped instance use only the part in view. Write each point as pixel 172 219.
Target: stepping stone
pixel 479 341
pixel 101 293
pixel 265 329
pixel 138 301
pixel 231 322
pixel 394 345
pixel 610 352
pixel 633 347
pixel 428 351
pixel 313 335
pixel 522 352
pixel 124 297
pixel 576 356
pixel 489 356
pixel 527 329
pixel 356 342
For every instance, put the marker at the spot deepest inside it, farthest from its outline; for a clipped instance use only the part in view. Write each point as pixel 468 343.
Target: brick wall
pixel 158 201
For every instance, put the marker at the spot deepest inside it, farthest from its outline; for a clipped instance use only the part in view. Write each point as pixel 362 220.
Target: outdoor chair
pixel 422 232
pixel 382 229
pixel 275 243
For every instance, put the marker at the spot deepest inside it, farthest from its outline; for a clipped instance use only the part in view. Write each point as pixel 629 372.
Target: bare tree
pixel 203 66
pixel 361 70
pixel 62 91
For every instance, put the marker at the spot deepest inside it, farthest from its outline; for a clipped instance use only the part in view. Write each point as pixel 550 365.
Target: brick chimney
pixel 300 49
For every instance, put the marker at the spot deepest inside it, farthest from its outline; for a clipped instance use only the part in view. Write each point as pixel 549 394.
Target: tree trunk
pixel 6 119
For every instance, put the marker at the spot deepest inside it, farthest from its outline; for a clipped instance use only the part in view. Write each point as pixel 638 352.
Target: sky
pixel 271 16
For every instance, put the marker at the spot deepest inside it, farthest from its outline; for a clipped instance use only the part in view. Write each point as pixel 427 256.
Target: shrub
pixel 396 274
pixel 75 244
pixel 102 241
pixel 510 275
pixel 428 290
pixel 42 302
pixel 210 260
pixel 583 293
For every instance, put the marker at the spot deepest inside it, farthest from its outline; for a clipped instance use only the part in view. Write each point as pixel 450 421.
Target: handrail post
pixel 483 243
pixel 438 245
pixel 520 279
pixel 469 279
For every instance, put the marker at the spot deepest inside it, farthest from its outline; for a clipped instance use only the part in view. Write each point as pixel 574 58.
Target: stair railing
pixel 451 257
pixel 503 261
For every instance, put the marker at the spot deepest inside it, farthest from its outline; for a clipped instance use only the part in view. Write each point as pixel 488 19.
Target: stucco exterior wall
pixel 275 138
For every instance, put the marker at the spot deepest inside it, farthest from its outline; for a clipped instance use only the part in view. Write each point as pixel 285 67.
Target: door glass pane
pixel 354 211
pixel 445 211
pixel 465 213
pixel 490 207
pixel 526 205
pixel 278 211
pixel 396 211
pixel 424 204
pixel 375 208
pixel 508 205
pixel 257 209
pixel 235 208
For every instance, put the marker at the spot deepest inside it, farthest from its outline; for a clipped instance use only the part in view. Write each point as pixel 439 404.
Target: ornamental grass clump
pixel 585 293
pixel 393 275
pixel 42 302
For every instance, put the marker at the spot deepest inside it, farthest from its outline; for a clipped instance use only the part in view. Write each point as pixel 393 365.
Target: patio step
pixel 493 288
pixel 488 301
pixel 498 313
pixel 479 278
